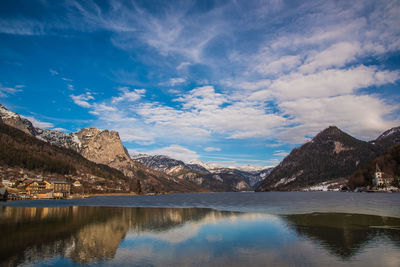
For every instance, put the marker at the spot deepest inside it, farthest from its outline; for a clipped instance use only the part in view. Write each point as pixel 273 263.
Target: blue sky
pixel 231 82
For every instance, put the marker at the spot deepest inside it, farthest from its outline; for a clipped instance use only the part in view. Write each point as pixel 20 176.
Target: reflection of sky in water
pixel 243 239
pixel 194 237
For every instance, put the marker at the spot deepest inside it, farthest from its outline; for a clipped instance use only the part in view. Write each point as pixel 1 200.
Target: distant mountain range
pixel 332 154
pixel 209 176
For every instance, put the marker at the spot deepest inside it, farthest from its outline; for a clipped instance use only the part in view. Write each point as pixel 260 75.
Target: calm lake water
pixel 219 229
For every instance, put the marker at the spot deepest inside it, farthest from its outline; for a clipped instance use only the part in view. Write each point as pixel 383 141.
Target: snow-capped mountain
pixel 203 173
pixel 207 166
pixel 251 168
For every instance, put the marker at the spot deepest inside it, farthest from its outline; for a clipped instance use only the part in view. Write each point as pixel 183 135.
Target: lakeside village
pixel 18 184
pixel 25 185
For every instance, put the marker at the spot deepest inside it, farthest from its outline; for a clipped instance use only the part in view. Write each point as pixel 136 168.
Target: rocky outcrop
pixel 105 147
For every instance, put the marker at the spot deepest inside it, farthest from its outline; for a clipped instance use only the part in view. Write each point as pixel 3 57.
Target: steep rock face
pixel 329 155
pixel 105 147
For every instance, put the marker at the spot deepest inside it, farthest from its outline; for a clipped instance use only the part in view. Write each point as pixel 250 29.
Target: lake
pixel 209 229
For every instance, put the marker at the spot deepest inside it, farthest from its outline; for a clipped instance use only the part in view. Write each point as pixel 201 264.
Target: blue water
pixel 219 229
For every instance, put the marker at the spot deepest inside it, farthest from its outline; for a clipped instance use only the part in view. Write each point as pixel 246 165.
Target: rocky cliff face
pixel 332 154
pixel 105 147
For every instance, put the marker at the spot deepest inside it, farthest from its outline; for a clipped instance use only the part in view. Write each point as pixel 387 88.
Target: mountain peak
pixel 392 131
pixel 6 114
pixel 330 133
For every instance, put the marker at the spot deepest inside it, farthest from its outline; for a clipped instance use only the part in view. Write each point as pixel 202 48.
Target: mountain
pixel 21 150
pixel 14 120
pixel 210 176
pixel 387 139
pixel 389 163
pixel 102 147
pixel 332 154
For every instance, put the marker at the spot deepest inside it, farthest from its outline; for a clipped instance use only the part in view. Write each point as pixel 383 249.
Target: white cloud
pixel 98 109
pixel 37 123
pixel 283 64
pixel 66 79
pixel 364 116
pixel 82 99
pixel 260 84
pixel 175 152
pixel 326 83
pixel 174 81
pixel 129 95
pixel 204 111
pixel 335 56
pixel 137 135
pixel 211 149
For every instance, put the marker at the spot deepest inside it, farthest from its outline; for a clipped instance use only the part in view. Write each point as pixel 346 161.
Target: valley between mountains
pixel 99 162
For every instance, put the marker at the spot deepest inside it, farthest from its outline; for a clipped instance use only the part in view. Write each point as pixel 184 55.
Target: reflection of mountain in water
pixel 84 234
pixel 344 234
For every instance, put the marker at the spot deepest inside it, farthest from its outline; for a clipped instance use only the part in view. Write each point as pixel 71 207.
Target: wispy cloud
pixel 174 81
pixel 82 100
pixel 129 95
pixel 211 149
pixel 53 72
pixel 6 90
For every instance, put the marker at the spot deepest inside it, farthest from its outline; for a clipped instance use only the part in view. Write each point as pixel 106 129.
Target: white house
pixel 380 179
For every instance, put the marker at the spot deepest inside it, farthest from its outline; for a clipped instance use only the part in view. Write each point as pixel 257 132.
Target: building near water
pixel 380 178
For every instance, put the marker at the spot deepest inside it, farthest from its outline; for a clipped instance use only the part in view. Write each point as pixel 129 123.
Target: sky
pixel 227 82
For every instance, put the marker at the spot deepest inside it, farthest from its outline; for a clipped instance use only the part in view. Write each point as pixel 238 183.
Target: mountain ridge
pixel 212 177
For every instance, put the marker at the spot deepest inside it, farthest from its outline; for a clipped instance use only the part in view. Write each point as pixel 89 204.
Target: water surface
pixel 262 233
pixel 277 203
